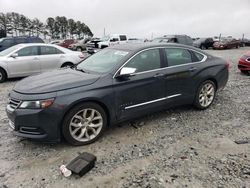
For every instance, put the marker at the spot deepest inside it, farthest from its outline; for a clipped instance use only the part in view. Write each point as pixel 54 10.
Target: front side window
pixel 28 51
pixel 49 50
pixel 145 61
pixel 177 56
pixel 7 42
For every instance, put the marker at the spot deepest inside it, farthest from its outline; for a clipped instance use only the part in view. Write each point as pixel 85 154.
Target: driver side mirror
pixel 126 72
pixel 14 55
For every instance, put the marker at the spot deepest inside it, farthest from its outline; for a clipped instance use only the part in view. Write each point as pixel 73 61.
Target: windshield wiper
pixel 80 70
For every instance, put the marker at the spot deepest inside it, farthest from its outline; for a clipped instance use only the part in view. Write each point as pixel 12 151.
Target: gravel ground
pixel 180 147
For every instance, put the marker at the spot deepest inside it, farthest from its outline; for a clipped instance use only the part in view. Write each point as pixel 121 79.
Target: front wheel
pixel 3 75
pixel 84 124
pixel 205 95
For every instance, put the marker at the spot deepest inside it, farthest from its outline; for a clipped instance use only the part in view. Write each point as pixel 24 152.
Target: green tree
pixel 50 24
pixel 71 27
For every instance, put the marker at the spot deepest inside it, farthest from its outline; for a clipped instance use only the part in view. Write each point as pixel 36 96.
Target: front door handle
pixel 158 75
pixel 35 58
pixel 192 69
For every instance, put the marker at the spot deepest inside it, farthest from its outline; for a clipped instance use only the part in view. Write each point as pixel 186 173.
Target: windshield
pixel 102 61
pixel 9 50
pixel 200 40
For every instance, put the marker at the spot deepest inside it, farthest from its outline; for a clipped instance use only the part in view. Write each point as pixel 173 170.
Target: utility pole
pixel 104 32
pixel 219 36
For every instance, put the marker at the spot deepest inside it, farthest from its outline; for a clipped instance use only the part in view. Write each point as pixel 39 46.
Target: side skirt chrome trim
pixel 153 101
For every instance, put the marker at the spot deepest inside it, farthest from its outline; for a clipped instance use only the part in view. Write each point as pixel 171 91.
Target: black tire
pixel 68 64
pixel 69 118
pixel 197 102
pixel 244 71
pixel 203 47
pixel 3 75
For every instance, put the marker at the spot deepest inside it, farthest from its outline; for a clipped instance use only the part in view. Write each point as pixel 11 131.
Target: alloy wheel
pixel 86 125
pixel 206 94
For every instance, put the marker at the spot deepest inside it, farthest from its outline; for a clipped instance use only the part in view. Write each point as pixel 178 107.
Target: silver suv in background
pixel 181 39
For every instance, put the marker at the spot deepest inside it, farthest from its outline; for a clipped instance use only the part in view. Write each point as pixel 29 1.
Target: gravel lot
pixel 180 147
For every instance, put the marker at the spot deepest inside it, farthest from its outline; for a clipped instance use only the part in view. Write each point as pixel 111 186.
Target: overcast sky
pixel 144 18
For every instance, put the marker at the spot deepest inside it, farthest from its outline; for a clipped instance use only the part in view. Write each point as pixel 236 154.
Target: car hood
pixel 53 81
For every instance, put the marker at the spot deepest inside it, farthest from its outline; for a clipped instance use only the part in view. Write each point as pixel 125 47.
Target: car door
pixel 51 58
pixel 180 75
pixel 144 89
pixel 24 62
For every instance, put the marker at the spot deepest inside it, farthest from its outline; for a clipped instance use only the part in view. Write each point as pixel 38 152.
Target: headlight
pixel 37 104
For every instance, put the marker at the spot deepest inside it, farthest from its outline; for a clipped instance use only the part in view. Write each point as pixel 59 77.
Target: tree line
pixel 16 24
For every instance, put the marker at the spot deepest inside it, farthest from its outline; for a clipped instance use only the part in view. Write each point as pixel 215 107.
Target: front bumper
pixel 38 124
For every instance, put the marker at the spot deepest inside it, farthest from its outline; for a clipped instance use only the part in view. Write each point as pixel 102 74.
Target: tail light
pixel 81 56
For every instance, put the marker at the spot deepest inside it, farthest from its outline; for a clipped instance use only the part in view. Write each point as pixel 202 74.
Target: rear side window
pixel 145 61
pixel 123 37
pixel 20 40
pixel 198 56
pixel 28 51
pixel 177 56
pixel 49 50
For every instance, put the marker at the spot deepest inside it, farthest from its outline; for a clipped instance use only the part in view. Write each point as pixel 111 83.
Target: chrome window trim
pixel 203 60
pixel 153 101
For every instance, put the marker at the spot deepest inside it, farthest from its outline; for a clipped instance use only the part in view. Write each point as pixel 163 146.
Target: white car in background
pixel 26 59
pixel 111 40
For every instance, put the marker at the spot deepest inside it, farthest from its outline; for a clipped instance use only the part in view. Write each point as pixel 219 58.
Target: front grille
pixel 14 103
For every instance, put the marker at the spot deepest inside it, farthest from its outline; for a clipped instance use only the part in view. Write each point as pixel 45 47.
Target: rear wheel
pixel 3 75
pixel 84 124
pixel 205 95
pixel 203 47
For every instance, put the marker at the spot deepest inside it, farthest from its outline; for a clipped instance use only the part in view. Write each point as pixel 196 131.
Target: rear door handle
pixel 35 58
pixel 192 69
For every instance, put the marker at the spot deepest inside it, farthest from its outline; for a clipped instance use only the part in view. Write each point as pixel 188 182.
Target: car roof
pixel 146 45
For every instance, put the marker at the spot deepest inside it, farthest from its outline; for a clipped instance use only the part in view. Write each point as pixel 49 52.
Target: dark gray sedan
pixel 114 85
